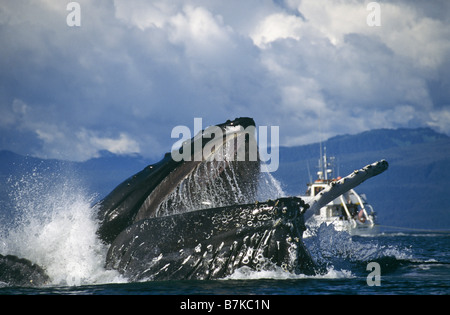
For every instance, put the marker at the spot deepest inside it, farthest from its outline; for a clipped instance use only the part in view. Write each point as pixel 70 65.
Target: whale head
pixel 219 166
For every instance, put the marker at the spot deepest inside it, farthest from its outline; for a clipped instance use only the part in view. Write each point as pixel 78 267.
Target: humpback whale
pixel 199 218
pixel 148 193
pixel 21 272
pixel 211 242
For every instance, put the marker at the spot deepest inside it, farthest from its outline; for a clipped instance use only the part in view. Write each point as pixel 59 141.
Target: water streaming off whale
pixel 215 184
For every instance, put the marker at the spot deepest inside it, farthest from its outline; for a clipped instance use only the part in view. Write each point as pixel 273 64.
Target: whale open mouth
pixel 223 172
pixel 219 166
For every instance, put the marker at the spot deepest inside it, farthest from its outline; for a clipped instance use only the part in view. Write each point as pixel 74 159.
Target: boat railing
pixel 347 212
pixel 363 208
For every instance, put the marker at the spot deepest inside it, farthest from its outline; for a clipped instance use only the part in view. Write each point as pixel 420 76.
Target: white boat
pixel 349 212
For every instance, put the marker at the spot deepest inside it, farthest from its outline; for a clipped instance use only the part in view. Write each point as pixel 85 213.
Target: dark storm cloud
pixel 135 69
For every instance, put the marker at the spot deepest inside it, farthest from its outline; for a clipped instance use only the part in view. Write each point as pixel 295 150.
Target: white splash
pixel 55 227
pixel 246 273
pixel 327 246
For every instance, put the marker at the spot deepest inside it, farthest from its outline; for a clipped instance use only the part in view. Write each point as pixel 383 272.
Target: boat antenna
pixel 309 172
pixel 320 161
pixel 321 166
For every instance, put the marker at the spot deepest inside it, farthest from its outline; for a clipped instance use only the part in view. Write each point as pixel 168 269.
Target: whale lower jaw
pixel 213 243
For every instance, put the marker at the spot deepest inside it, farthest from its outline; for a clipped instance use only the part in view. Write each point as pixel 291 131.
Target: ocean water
pixel 53 224
pixel 409 264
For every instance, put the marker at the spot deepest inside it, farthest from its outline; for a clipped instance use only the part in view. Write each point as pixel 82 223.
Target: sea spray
pixel 339 250
pixel 268 186
pixel 54 226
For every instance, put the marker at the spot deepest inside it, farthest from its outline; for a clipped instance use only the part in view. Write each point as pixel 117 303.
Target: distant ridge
pixel 413 192
pixel 372 140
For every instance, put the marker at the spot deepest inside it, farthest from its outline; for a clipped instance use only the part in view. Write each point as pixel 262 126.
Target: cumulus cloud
pixel 93 143
pixel 136 69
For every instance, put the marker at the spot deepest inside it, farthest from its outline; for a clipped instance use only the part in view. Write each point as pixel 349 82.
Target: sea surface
pixel 410 263
pixel 54 226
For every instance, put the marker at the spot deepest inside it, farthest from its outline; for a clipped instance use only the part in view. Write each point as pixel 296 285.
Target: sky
pixel 135 69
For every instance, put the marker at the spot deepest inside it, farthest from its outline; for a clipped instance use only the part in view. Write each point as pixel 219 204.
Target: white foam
pixel 55 227
pixel 326 244
pixel 277 273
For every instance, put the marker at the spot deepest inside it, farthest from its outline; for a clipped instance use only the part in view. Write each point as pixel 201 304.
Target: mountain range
pixel 412 194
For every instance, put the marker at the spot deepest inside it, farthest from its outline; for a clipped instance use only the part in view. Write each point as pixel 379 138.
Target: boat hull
pixel 353 228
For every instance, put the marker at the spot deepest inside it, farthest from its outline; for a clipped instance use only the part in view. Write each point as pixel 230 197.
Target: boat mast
pixel 325 167
pixel 323 160
pixel 321 168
